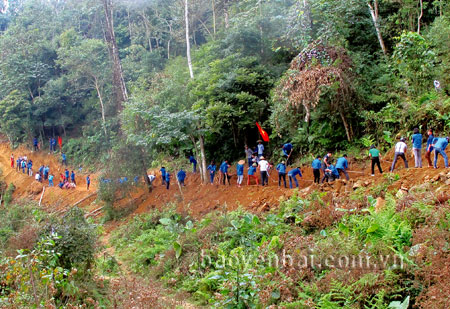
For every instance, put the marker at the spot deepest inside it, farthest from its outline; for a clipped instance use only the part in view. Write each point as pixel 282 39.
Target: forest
pixel 133 84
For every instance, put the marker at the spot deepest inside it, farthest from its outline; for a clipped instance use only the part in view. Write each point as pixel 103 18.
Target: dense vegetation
pixel 304 255
pixel 130 84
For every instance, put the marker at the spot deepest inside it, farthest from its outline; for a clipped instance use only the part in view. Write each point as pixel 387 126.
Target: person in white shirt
pixel 263 169
pixel 400 151
pixel 152 178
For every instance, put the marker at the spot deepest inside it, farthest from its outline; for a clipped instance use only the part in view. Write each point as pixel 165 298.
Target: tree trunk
pixel 120 89
pixel 100 98
pixel 188 44
pixel 194 142
pixel 214 16
pixel 374 13
pixel 203 158
pixel 347 129
pixel 420 16
pixel 144 170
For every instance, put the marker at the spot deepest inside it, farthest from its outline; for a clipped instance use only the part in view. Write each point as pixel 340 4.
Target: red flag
pixel 263 133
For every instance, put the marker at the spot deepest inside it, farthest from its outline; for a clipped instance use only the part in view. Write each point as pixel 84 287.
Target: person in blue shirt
pixel 240 172
pixel 429 147
pixel 260 148
pixel 439 145
pixel 194 164
pixel 281 168
pixel 249 154
pixel 331 173
pixel 342 166
pixel 181 176
pixel 417 148
pixel 325 161
pixel 50 180
pixel 252 174
pixel 88 181
pixel 287 152
pixel 72 177
pixel 167 178
pixel 64 158
pixel 35 144
pixel 212 171
pixel 41 170
pixel 18 163
pixel 46 172
pixel 24 165
pixel 316 165
pixel 293 175
pixel 30 168
pixel 163 175
pixel 224 171
pixel 53 144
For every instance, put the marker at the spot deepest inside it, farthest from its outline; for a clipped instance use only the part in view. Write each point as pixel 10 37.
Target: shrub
pixel 77 240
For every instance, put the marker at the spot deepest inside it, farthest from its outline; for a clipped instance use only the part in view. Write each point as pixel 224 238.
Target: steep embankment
pixel 196 199
pixel 54 198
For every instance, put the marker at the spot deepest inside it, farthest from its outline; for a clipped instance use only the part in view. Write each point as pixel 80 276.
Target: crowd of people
pixel 324 169
pixel 43 174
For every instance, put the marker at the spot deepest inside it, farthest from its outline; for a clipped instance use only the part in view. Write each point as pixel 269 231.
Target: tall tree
pixel 373 8
pixel 120 88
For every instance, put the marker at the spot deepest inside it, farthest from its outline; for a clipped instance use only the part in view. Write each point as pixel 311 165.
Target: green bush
pixel 77 240
pixel 9 193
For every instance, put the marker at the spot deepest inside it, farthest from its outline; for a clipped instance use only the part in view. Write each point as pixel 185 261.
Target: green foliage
pixel 414 62
pixel 17 114
pixel 76 241
pixel 14 217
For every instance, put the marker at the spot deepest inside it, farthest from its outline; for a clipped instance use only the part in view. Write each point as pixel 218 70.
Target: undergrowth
pixel 308 253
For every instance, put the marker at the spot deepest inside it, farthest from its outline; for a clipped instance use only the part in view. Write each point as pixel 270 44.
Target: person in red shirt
pixel 60 142
pixel 12 160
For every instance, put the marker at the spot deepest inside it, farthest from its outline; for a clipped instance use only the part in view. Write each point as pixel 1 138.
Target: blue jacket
pixel 46 170
pixel 240 169
pixel 167 176
pixel 224 167
pixel 295 172
pixel 66 173
pixel 192 160
pixel 29 165
pixel 342 163
pixel 333 169
pixel 441 143
pixel 163 172
pixel 72 176
pixel 64 156
pixel 181 175
pixel 316 164
pixel 35 141
pixel 430 141
pixel 281 168
pixel 251 170
pixel 211 168
pixel 287 148
pixel 417 140
pixel 260 149
pixel 88 179
pixel 41 170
